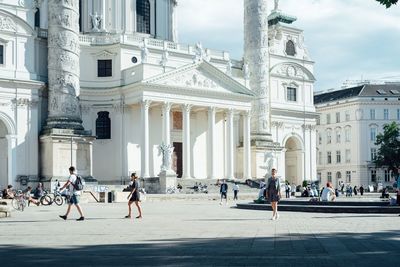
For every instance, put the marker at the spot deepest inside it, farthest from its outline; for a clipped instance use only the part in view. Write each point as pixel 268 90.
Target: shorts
pixel 74 199
pixel 223 194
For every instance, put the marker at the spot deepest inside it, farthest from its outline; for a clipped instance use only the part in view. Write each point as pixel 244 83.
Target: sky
pixel 349 40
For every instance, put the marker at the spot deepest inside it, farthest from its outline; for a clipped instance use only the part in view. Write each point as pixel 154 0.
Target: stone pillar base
pixel 60 149
pixel 167 179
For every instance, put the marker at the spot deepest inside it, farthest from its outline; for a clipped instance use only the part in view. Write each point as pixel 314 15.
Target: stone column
pixel 211 141
pixel 166 109
pixel 186 142
pixel 145 138
pixel 246 146
pixel 63 65
pixel 12 158
pixel 256 55
pixel 230 171
pixel 43 14
pixel 174 21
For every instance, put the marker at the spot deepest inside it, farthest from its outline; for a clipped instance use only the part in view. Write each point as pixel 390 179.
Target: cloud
pixel 346 39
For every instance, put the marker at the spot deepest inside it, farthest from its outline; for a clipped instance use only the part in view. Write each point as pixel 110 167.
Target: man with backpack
pixel 75 186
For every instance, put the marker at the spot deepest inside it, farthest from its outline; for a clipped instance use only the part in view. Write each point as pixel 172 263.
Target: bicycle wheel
pixel 46 200
pixel 15 203
pixel 22 204
pixel 58 200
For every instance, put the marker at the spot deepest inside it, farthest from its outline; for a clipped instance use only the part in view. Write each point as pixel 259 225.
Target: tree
pixel 388 154
pixel 388 3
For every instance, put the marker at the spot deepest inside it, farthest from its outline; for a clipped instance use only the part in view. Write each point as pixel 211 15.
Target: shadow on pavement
pixel 333 249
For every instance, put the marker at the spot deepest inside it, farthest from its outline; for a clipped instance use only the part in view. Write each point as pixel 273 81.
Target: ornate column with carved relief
pixel 63 65
pixel 64 142
pixel 186 172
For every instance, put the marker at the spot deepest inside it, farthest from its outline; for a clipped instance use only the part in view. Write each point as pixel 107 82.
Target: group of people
pixel 32 196
pixel 349 190
pixel 223 190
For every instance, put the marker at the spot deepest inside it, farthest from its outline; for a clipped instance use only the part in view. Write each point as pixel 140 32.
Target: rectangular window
pixel 373 176
pixel 329 177
pixel 387 176
pixel 328 137
pixel 1 54
pixel 177 120
pixel 338 156
pixel 318 121
pixel 372 114
pixel 320 158
pixel 385 114
pixel 347 115
pixel 373 154
pixel 347 134
pixel 328 118
pixel 398 114
pixel 320 138
pixel 291 94
pixel 348 155
pixel 373 134
pixel 338 136
pixel 337 117
pixel 329 158
pixel 104 68
pixel 348 176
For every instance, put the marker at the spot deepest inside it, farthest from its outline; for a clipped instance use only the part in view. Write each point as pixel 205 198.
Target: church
pixel 105 85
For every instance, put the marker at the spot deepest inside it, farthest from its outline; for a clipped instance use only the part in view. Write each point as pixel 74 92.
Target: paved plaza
pixel 196 233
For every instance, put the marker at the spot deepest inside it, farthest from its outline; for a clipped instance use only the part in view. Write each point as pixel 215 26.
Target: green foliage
pixel 388 3
pixel 388 154
pixel 305 183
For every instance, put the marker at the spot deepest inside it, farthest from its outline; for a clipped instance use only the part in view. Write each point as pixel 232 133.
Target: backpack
pixel 79 182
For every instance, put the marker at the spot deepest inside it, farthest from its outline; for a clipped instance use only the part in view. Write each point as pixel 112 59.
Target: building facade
pixel 349 121
pixel 140 88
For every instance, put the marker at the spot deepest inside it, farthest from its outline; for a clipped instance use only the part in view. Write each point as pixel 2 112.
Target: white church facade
pixel 139 88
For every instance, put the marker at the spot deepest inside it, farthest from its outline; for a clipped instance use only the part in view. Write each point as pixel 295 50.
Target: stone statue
pixel 276 5
pixel 246 71
pixel 164 58
pixel 166 151
pixel 96 21
pixel 145 52
pixel 229 67
pixel 199 52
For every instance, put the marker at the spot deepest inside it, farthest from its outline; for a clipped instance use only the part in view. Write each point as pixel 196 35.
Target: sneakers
pixel 277 216
pixel 273 218
pixel 63 217
pixel 81 219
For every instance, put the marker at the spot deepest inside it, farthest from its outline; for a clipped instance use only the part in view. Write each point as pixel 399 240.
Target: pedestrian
pixel 342 189
pixel 235 191
pixel 273 192
pixel 73 194
pixel 361 190
pixel 134 197
pixel 287 190
pixel 293 187
pixel 355 190
pixel 223 191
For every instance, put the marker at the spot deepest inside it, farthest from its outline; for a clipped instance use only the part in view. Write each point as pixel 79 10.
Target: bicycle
pixel 51 198
pixel 19 202
pixel 172 190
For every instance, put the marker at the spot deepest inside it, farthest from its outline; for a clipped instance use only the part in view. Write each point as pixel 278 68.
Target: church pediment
pixel 13 24
pixel 202 76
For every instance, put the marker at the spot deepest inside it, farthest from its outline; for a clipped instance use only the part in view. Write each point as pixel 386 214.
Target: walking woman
pixel 273 193
pixel 134 197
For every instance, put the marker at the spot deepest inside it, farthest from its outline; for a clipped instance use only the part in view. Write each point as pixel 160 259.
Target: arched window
pixel 143 16
pixel 37 18
pixel 290 49
pixel 103 125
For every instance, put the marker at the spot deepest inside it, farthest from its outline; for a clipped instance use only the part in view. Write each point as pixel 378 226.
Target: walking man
pixel 74 194
pixel 235 191
pixel 223 191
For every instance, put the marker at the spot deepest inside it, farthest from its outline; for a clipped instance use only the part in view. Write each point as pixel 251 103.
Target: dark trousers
pixel 287 193
pixel 235 192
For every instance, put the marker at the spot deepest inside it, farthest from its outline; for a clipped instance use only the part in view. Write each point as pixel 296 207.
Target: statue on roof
pixel 276 5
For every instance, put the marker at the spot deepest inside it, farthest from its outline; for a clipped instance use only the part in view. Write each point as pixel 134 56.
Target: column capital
pixel 145 103
pixel 166 106
pixel 230 112
pixel 212 110
pixel 186 107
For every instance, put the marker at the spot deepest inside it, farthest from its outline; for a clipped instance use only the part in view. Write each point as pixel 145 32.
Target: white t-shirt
pixel 327 194
pixel 235 187
pixel 71 189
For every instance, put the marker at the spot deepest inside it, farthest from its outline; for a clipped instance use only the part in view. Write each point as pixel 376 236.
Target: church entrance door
pixel 177 159
pixel 293 161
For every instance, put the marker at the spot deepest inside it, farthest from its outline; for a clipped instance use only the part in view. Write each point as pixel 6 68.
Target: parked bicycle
pixel 55 197
pixel 173 190
pixel 20 201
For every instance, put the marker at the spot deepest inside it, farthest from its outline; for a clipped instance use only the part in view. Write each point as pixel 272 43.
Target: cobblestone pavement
pixel 196 233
